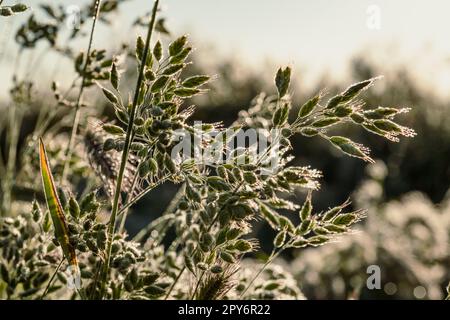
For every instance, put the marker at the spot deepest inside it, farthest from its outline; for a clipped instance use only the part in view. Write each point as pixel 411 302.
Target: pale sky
pixel 314 36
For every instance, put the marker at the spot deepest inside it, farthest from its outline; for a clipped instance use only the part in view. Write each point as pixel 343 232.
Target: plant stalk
pixel 112 221
pixel 51 279
pixel 170 209
pixel 14 132
pixel 76 119
pixel 141 194
pixel 273 255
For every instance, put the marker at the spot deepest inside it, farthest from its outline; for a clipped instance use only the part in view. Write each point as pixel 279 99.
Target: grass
pixel 215 211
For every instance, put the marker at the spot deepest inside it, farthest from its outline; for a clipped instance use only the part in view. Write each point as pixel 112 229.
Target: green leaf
pixel 331 213
pixel 177 46
pixel 159 84
pixel 305 212
pixel 110 96
pixel 271 286
pixel 114 77
pixel 186 92
pixel 351 148
pixel 309 106
pixel 286 224
pixel 233 233
pixel 227 257
pixel 55 208
pixel 20 7
pixel 154 291
pixel 280 239
pixel 317 240
pixel 149 75
pixel 217 183
pixel 112 129
pixel 79 62
pixel 335 229
pixel 387 125
pixel 345 219
pixel 140 45
pixel 157 50
pixel 357 118
pixel 355 89
pixel 189 263
pixel 270 216
pixel 195 81
pixel 6 11
pixel 74 208
pixel 143 169
pixel 300 243
pixel 334 102
pixel 381 112
pixel 46 223
pixel 174 69
pixel 343 111
pixel 305 227
pixel 309 132
pixel 326 122
pixel 181 56
pixel 282 80
pixel 280 116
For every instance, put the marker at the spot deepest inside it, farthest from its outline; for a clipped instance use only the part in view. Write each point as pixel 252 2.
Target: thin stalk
pixel 175 200
pixel 269 260
pixel 200 279
pixel 45 117
pixel 76 118
pixel 97 271
pixel 17 62
pixel 140 237
pixel 4 40
pixel 174 283
pixel 197 285
pixel 170 208
pixel 34 65
pixel 2 166
pixel 28 65
pixel 141 194
pixel 115 207
pixel 130 194
pixel 272 257
pixel 14 131
pixel 51 279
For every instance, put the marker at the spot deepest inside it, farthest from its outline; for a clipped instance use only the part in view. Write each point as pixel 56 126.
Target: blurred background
pixel 329 44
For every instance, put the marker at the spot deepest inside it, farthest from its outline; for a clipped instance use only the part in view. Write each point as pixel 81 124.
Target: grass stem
pixel 51 279
pixel 76 118
pixel 124 160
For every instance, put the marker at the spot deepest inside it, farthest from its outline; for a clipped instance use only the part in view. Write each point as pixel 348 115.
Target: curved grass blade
pixel 56 210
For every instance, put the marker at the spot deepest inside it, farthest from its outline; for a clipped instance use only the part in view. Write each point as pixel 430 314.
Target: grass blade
pixel 55 208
